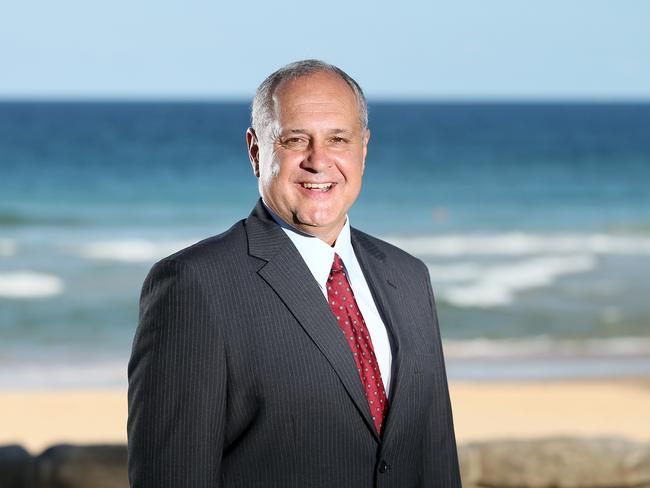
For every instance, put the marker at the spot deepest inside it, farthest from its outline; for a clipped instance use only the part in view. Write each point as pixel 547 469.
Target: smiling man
pixel 308 150
pixel 293 350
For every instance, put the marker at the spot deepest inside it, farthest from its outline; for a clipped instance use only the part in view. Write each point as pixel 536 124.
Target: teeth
pixel 320 186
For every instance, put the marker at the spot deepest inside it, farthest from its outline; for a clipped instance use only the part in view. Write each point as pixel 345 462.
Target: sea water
pixel 533 219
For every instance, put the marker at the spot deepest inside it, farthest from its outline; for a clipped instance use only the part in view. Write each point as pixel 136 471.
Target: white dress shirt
pixel 319 256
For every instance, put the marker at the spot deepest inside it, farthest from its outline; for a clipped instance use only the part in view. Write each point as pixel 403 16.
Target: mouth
pixel 318 187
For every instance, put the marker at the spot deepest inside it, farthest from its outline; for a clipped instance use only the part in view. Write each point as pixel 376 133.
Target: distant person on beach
pixel 292 350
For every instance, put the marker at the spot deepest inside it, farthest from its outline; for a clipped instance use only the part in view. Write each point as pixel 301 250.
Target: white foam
pixel 29 284
pixel 521 244
pixel 48 374
pixel 132 250
pixel 495 285
pixel 545 346
pixel 454 272
pixel 7 247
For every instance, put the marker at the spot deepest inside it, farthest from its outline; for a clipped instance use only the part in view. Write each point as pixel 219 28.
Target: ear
pixel 366 138
pixel 253 150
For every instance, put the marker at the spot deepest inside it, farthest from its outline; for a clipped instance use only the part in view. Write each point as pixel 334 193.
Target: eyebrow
pixel 331 131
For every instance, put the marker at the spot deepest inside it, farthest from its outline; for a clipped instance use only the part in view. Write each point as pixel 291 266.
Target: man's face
pixel 310 159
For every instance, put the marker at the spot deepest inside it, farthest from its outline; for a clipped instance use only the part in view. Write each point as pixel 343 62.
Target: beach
pixel 482 411
pixel 532 220
pixel 524 410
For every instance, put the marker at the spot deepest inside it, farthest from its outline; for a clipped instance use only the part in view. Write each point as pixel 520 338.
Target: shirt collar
pixel 317 254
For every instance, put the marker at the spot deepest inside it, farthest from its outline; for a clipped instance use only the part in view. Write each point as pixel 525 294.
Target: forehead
pixel 316 96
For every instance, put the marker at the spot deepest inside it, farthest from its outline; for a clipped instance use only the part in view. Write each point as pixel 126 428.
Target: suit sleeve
pixel 177 384
pixel 440 461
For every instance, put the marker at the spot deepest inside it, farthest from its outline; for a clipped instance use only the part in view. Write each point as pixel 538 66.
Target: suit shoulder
pixel 379 246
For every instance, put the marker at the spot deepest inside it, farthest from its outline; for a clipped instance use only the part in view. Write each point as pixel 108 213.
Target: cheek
pixel 353 172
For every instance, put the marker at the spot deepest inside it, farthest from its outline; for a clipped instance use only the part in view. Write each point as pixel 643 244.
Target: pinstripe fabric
pixel 240 376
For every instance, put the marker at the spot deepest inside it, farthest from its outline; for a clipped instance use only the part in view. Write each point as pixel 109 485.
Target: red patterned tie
pixel 346 311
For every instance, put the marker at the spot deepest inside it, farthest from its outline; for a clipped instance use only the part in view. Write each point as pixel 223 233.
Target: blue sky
pixel 550 49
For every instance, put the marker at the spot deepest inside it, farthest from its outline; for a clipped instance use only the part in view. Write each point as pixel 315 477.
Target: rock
pixel 94 466
pixel 557 463
pixel 539 463
pixel 16 467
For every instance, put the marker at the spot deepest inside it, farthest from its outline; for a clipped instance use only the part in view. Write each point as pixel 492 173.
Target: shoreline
pixel 483 410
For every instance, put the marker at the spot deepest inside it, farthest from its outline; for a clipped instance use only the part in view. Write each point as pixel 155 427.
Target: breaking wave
pixel 521 244
pixel 132 250
pixel 29 284
pixel 491 285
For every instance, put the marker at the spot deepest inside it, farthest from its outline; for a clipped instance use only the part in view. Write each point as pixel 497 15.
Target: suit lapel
pixel 384 280
pixel 286 272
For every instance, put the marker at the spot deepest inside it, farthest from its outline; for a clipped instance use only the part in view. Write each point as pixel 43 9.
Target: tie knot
pixel 337 265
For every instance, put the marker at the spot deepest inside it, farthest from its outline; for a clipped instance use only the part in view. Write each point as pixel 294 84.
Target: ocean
pixel 534 220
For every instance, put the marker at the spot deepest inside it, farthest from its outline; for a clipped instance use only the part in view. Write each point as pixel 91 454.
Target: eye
pixel 338 140
pixel 294 142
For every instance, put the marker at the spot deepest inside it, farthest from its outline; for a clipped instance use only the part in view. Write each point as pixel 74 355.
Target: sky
pixel 199 49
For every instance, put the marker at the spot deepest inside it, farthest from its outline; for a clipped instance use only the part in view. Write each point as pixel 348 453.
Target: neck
pixel 327 235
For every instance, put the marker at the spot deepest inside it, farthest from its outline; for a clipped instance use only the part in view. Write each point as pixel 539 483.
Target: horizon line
pixel 370 100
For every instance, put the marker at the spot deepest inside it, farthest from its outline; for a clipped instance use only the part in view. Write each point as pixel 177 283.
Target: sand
pixel 586 408
pixel 38 419
pixel 482 411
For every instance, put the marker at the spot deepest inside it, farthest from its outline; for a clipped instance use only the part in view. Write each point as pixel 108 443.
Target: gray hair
pixel 262 107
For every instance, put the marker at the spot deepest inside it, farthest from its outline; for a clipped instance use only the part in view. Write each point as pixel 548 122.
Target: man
pixel 292 350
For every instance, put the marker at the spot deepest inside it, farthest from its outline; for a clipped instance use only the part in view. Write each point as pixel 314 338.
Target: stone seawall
pixel 541 463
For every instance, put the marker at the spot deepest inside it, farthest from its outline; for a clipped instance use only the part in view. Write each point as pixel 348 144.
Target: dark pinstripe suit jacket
pixel 240 376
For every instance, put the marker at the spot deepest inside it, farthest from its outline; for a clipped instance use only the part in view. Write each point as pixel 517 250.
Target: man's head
pixel 308 144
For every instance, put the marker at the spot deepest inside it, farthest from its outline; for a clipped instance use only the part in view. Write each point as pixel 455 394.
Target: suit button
pixel 383 466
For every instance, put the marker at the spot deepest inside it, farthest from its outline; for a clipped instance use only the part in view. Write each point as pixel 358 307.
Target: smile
pixel 318 186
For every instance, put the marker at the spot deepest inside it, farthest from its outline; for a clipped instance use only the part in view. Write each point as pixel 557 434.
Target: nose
pixel 317 158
